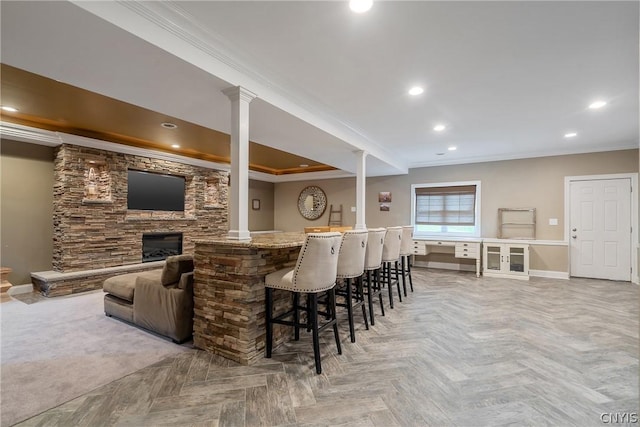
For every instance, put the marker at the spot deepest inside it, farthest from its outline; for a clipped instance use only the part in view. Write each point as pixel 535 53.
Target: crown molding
pixel 27 134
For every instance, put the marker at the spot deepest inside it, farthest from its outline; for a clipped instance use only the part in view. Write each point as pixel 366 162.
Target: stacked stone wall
pixel 229 300
pixel 94 229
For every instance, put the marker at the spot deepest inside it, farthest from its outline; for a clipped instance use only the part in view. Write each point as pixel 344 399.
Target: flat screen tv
pixel 154 191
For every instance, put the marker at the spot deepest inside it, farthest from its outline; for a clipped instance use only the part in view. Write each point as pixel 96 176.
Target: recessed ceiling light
pixel 304 165
pixel 9 109
pixel 360 6
pixel 453 148
pixel 175 146
pixel 416 90
pixel 439 128
pixel 168 125
pixel 570 135
pixel 597 104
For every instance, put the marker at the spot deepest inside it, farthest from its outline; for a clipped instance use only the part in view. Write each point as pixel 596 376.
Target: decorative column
pixel 239 194
pixel 361 177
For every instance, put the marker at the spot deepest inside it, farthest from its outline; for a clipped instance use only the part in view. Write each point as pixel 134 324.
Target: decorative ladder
pixel 335 216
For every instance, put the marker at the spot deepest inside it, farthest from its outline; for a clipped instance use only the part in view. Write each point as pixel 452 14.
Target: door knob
pixel 574 236
pixel 574 229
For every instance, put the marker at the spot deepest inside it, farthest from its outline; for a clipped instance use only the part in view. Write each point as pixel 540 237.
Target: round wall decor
pixel 312 202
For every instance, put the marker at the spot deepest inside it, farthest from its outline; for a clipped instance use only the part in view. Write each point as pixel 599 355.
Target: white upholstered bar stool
pixel 391 255
pixel 315 272
pixel 372 266
pixel 406 250
pixel 351 269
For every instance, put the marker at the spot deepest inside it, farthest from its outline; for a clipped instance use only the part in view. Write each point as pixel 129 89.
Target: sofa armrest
pixel 186 282
pixel 165 310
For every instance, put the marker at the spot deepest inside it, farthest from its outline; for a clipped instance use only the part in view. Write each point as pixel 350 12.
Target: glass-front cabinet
pixel 503 259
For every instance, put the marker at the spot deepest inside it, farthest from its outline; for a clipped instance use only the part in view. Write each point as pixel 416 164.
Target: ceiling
pixel 508 79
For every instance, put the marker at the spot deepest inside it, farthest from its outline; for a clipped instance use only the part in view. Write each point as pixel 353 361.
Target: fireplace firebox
pixel 159 246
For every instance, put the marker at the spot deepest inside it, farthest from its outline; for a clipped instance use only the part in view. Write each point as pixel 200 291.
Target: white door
pixel 600 225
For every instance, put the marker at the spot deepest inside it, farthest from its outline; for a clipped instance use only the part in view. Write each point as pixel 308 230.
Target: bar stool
pixel 406 250
pixel 351 266
pixel 391 254
pixel 372 265
pixel 315 272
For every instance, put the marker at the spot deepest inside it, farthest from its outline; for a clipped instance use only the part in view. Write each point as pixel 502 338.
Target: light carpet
pixel 59 348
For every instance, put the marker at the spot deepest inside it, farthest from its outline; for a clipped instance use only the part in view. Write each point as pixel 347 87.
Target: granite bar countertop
pixel 260 241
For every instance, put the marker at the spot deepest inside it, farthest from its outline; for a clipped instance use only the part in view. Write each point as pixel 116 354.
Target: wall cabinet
pixel 503 259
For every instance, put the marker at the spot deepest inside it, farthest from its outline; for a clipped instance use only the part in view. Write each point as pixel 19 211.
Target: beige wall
pixel 26 209
pixel 262 219
pixel 537 183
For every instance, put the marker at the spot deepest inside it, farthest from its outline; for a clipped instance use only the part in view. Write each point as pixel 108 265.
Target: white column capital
pixel 238 93
pixel 361 153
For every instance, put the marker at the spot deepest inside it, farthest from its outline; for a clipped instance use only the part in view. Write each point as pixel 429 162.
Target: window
pixel 446 209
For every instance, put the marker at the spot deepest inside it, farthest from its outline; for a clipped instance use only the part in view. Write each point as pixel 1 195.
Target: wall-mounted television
pixel 155 191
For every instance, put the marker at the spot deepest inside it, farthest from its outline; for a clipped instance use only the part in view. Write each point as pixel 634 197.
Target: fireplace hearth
pixel 159 246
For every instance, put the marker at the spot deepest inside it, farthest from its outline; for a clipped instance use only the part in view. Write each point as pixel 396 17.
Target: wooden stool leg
pixel 387 278
pixel 352 332
pixel 395 270
pixel 379 288
pixel 409 272
pixel 296 315
pixel 313 314
pixel 268 314
pixel 359 286
pixel 370 297
pixel 332 297
pixel 404 274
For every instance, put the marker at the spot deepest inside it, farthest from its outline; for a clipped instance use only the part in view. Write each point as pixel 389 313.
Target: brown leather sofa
pixel 158 300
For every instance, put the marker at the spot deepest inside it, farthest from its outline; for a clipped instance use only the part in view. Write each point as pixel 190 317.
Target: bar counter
pixel 229 295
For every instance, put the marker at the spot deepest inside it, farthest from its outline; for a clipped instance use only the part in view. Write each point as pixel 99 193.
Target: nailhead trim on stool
pixel 391 254
pixel 351 266
pixel 315 272
pixel 372 264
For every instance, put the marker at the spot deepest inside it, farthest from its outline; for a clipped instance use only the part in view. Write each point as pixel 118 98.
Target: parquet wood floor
pixel 459 351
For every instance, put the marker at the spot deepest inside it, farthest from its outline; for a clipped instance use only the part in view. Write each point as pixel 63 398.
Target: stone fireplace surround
pixel 95 236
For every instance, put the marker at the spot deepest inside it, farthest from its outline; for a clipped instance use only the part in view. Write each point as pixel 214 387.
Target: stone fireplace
pixel 159 246
pixel 97 236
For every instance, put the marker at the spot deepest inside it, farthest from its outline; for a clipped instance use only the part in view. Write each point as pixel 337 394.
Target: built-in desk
pixel 460 248
pixel 229 295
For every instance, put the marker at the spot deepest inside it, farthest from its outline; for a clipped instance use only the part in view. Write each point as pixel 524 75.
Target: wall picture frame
pixel 384 197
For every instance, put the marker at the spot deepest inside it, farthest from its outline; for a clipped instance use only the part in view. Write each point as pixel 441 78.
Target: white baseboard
pixel 20 289
pixel 549 274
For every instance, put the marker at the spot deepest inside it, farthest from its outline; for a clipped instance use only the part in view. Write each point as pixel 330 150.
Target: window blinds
pixel 453 205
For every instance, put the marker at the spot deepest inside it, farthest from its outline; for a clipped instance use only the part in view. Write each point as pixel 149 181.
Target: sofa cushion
pixel 123 286
pixel 119 308
pixel 174 267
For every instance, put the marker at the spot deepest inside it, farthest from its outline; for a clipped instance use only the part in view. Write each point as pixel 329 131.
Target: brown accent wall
pixel 94 229
pixel 26 208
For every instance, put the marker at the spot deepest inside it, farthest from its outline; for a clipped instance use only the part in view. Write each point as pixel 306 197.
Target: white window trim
pixel 478 231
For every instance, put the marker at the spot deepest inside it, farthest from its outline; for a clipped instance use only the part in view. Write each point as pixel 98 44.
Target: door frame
pixel 634 215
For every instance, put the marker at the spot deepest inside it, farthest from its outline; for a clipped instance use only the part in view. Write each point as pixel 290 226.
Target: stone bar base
pixel 54 284
pixel 229 294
